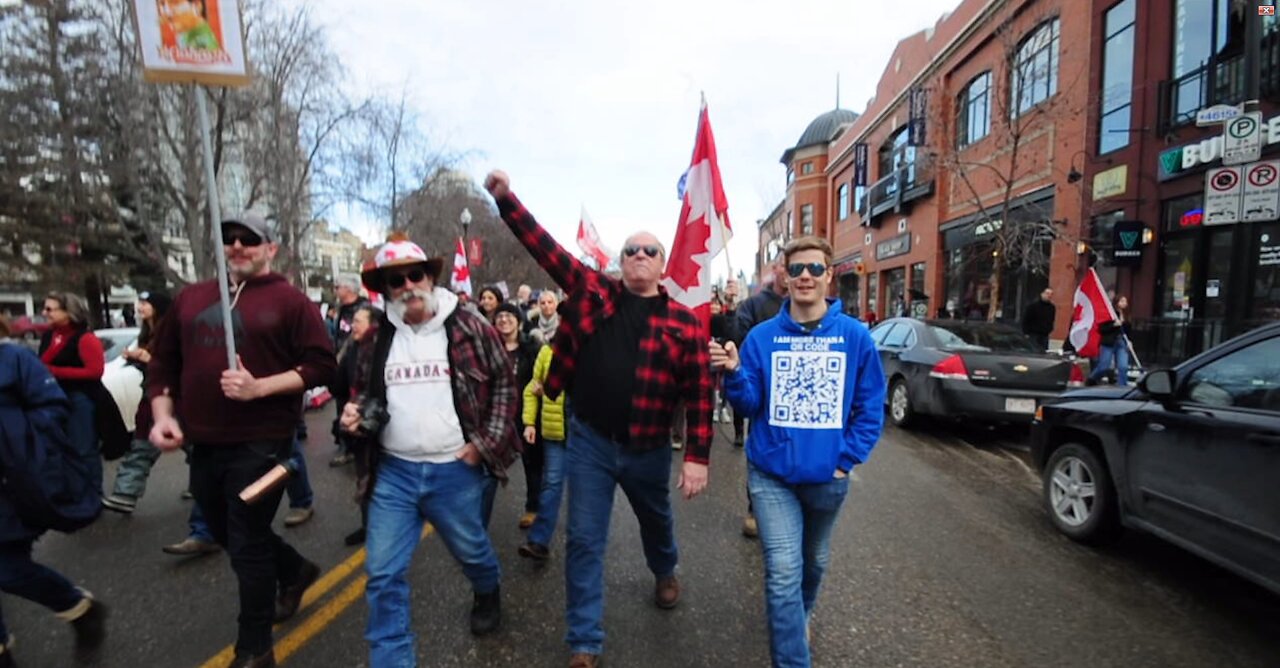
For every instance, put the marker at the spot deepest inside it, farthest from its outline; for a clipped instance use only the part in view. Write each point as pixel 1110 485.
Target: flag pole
pixel 215 215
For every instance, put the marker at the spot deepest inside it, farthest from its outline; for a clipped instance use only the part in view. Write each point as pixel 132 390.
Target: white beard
pixel 429 299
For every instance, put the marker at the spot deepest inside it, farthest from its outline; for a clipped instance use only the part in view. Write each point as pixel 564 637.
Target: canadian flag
pixel 589 241
pixel 461 279
pixel 703 230
pixel 1091 309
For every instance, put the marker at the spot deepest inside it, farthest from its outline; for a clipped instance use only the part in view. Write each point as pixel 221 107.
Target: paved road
pixel 942 558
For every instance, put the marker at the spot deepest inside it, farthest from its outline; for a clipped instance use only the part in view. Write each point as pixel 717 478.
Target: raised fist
pixel 498 184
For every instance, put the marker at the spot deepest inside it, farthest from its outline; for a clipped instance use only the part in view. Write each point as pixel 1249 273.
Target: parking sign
pixel 1222 190
pixel 1242 139
pixel 1261 200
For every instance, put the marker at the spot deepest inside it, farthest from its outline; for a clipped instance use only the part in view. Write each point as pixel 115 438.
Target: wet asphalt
pixel 942 557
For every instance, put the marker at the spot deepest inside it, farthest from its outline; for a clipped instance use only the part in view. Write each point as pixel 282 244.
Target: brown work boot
pixel 585 661
pixel 749 527
pixel 666 592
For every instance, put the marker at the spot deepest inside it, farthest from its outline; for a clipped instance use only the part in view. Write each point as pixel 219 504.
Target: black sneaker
pixel 267 660
pixel 290 597
pixel 486 613
pixel 6 654
pixel 91 630
pixel 535 551
pixel 738 441
pixel 354 538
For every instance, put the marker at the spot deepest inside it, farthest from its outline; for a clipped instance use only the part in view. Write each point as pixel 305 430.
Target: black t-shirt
pixel 604 383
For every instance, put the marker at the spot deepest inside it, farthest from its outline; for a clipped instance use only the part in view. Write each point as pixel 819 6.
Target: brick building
pixel 1199 278
pixel 974 209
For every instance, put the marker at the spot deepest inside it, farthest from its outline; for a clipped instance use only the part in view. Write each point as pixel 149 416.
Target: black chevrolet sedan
pixel 963 369
pixel 1191 455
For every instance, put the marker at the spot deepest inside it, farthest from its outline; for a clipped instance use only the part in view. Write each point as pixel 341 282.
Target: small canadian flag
pixel 461 280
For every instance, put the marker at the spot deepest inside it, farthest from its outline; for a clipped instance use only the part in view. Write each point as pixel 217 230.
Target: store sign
pixel 1223 187
pixel 1110 183
pixel 1126 243
pixel 1175 161
pixel 899 245
pixel 1268 250
pixel 1261 199
pixel 860 164
pixel 849 266
pixel 919 110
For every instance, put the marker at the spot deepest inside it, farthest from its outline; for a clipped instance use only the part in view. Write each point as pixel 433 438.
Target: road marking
pixel 322 617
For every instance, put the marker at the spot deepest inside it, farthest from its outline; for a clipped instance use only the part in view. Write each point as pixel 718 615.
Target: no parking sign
pixel 1222 190
pixel 1261 192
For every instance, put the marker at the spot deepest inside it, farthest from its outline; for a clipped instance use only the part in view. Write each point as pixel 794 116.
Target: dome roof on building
pixel 821 131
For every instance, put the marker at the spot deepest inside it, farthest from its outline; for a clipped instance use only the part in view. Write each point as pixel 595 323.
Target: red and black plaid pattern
pixel 674 360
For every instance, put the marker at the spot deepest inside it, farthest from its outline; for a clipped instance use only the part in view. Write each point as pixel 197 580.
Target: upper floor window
pixel 896 155
pixel 806 168
pixel 842 201
pixel 1117 77
pixel 806 219
pixel 791 176
pixel 973 120
pixel 1035 69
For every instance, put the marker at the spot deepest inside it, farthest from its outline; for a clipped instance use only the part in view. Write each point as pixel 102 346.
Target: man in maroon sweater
pixel 241 422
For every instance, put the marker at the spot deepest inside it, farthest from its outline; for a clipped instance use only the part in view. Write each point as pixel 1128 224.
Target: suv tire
pixel 1079 495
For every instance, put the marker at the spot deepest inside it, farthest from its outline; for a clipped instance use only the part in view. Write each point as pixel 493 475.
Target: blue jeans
pixel 1118 353
pixel 795 533
pixel 299 487
pixel 544 527
pixel 21 576
pixel 595 466
pixel 405 495
pixel 135 468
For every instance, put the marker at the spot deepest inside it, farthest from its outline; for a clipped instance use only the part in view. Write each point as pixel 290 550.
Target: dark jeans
pixel 534 461
pixel 261 559
pixel 1041 341
pixel 21 576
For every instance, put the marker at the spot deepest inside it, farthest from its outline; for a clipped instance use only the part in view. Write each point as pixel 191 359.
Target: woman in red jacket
pixel 74 356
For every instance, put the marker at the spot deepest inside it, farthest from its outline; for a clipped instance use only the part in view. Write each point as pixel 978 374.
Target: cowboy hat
pixel 398 251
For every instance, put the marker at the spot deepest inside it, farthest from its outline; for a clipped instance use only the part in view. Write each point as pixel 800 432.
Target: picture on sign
pixel 1261 200
pixel 1268 251
pixel 1223 188
pixel 1126 249
pixel 191 41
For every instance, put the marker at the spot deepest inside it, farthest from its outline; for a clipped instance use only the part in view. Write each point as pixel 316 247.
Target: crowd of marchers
pixel 593 384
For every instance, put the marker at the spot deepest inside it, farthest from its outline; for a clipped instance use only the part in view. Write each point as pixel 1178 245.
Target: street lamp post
pixel 465 219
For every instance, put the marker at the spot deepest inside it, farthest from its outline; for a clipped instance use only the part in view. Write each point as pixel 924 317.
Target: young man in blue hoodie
pixel 811 384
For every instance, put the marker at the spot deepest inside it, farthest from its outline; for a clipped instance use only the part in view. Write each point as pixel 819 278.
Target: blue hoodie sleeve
pixel 745 387
pixel 866 411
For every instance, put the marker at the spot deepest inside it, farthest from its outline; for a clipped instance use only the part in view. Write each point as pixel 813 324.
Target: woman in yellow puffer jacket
pixel 553 443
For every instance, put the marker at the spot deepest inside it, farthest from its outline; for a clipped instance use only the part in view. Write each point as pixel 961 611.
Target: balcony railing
pixel 1221 80
pixel 907 184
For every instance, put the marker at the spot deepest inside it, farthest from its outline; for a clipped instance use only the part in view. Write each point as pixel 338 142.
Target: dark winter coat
pixel 30 400
pixel 1038 318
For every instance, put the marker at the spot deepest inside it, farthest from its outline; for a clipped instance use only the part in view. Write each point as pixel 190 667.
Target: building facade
pixel 962 176
pixel 1206 271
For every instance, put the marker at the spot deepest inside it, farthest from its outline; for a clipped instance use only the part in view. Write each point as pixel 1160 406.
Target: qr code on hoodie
pixel 807 390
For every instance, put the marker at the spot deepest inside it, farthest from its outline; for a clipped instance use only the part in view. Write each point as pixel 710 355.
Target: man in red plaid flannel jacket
pixel 628 355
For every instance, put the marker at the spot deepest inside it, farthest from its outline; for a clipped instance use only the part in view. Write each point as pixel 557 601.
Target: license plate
pixel 1027 406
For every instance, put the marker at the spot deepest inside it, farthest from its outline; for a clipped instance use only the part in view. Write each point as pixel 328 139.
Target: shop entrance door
pixel 1263 264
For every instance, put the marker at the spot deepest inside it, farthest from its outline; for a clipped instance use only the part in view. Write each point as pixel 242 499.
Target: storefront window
pixel 873 292
pixel 895 292
pixel 919 303
pixel 849 293
pixel 1102 242
pixel 1184 213
pixel 1177 273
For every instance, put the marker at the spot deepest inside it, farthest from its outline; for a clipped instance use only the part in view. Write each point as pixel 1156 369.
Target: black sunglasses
pixel 246 238
pixel 816 269
pixel 413 275
pixel 649 249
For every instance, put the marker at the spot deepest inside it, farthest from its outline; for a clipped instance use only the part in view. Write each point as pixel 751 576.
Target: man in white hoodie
pixel 440 397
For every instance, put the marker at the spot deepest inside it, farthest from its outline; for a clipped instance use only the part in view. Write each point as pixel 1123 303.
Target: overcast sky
pixel 595 103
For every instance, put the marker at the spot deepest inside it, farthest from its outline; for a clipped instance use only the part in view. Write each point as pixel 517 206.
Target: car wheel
pixel 901 412
pixel 1079 495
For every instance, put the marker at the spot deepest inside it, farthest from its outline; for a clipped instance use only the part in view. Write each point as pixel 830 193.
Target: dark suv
pixel 1191 455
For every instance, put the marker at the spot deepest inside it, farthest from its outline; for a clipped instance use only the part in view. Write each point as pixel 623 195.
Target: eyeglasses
pixel 397 279
pixel 816 269
pixel 247 239
pixel 650 250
